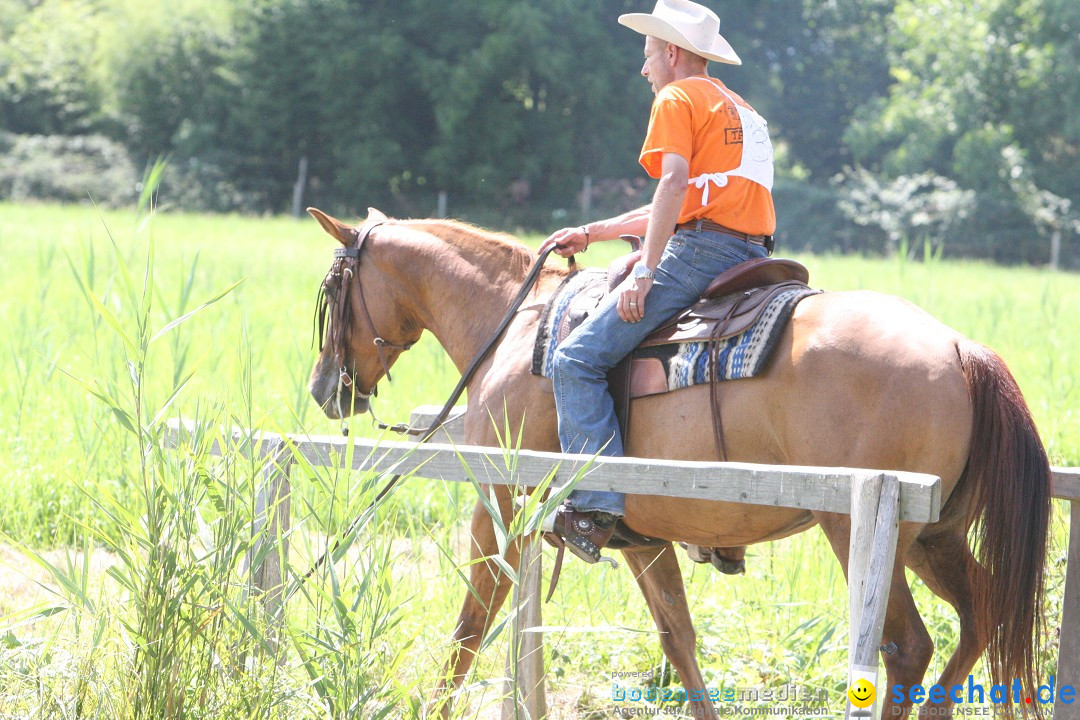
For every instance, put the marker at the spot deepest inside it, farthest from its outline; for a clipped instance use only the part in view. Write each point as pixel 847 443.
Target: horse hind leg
pixel 656 570
pixel 488 589
pixel 945 563
pixel 910 643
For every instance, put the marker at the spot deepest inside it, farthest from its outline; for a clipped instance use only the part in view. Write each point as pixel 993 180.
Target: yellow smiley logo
pixel 862 693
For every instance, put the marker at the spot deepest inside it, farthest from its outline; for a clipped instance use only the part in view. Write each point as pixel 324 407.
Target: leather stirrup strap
pixel 556 570
pixel 714 382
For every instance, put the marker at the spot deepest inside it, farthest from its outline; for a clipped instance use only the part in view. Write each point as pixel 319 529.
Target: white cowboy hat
pixel 686 24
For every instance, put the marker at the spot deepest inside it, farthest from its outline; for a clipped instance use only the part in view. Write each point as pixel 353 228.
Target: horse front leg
pixel 487 592
pixel 656 570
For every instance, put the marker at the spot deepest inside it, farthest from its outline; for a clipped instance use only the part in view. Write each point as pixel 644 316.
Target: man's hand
pixel 632 294
pixel 566 242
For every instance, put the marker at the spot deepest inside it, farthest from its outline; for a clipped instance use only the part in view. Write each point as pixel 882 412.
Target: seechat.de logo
pixel 973 692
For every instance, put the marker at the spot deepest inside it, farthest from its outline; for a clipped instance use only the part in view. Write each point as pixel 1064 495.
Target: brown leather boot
pixel 728 560
pixel 583 532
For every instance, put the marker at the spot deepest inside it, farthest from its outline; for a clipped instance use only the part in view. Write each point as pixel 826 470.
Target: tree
pixel 166 73
pixel 972 102
pixel 809 67
pixel 47 81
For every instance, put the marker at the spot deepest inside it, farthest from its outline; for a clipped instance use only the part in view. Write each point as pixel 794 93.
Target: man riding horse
pixel 712 209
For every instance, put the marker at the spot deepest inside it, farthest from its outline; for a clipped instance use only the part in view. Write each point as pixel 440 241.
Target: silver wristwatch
pixel 642 272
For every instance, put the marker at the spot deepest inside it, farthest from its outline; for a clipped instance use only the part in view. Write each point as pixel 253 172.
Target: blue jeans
pixel 587 422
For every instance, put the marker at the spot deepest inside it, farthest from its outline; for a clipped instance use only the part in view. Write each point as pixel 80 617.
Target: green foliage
pixel 47 80
pixel 165 70
pixel 809 219
pixel 970 103
pixel 911 209
pixel 66 168
pixel 831 62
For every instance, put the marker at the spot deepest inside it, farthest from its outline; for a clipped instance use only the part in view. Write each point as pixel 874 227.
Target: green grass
pixel 162 634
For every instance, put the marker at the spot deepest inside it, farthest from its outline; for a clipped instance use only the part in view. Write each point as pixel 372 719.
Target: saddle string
pixel 466 377
pixel 714 377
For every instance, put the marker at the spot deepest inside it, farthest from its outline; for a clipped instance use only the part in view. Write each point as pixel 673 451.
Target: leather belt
pixel 703 224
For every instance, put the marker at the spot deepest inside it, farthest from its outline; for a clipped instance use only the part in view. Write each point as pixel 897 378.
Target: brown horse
pixel 858 380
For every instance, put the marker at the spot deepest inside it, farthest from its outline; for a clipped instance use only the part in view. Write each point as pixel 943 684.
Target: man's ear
pixel 672 53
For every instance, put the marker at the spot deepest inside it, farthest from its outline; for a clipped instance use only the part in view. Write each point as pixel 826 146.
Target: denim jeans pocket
pixel 718 253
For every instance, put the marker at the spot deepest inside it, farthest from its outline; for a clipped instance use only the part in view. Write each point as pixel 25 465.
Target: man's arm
pixel 665 207
pixel 575 239
pixel 666 204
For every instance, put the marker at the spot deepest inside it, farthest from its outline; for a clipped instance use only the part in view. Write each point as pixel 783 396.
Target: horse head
pixel 362 328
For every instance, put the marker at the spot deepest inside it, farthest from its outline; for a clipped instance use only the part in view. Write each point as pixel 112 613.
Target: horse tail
pixel 1008 483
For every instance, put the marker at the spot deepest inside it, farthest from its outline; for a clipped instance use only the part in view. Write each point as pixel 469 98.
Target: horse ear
pixel 335 228
pixel 375 215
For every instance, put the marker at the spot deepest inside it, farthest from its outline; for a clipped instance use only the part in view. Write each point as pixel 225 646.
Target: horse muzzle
pixel 338 396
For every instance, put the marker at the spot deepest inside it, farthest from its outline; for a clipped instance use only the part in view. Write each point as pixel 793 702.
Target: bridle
pixel 346 267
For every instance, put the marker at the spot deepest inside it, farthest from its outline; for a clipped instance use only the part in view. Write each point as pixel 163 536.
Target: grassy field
pixel 139 612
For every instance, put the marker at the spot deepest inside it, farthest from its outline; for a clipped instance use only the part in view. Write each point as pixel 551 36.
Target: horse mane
pixel 511 253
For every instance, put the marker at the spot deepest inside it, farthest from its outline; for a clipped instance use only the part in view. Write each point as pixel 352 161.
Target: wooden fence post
pixel 270 528
pixel 525 675
pixel 298 187
pixel 525 696
pixel 1068 669
pixel 877 502
pixel 875 522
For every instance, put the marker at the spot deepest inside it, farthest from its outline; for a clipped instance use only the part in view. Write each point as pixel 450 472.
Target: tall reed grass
pixel 176 629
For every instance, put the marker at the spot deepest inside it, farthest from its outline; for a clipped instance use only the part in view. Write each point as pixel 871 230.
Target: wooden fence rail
pixel 877 501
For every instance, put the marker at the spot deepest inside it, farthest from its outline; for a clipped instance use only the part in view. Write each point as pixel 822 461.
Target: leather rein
pixel 346 265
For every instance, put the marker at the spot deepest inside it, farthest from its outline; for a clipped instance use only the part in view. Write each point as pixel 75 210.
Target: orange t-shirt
pixel 694 119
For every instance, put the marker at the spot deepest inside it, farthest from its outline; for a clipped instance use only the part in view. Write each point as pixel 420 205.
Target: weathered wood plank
pixel 882 553
pixel 1066 479
pixel 453 428
pixel 808 488
pixel 270 534
pixel 1067 483
pixel 1068 670
pixel 864 501
pixel 872 549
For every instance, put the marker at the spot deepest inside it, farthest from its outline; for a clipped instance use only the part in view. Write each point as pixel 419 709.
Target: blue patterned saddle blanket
pixel 684 351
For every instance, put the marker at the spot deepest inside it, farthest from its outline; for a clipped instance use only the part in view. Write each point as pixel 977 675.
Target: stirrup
pixel 580 545
pixel 579 531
